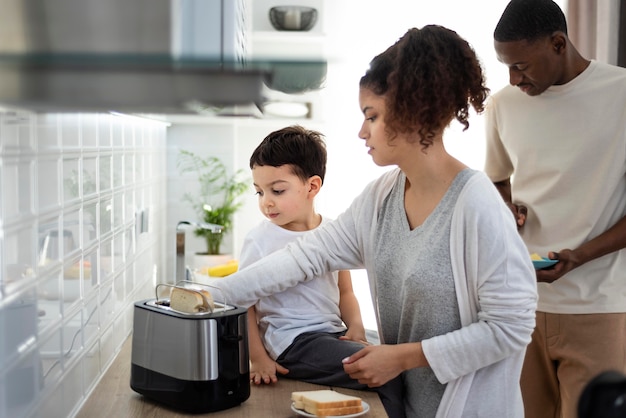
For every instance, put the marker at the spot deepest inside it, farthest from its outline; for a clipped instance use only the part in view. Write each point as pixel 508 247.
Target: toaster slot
pixel 164 303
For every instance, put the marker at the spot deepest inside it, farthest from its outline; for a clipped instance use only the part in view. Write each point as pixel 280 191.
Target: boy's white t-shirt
pixel 309 306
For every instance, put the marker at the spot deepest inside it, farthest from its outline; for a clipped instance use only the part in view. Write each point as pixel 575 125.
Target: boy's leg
pixel 316 358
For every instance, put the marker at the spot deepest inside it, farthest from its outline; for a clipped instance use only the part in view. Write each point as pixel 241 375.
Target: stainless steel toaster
pixel 193 362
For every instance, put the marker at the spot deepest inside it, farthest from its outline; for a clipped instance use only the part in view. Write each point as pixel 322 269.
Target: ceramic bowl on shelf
pixel 293 18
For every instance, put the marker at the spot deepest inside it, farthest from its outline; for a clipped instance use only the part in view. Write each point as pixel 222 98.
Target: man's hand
pixel 519 212
pixel 568 261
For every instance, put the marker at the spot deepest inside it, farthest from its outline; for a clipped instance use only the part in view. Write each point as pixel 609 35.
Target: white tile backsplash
pixel 47 183
pixel 74 182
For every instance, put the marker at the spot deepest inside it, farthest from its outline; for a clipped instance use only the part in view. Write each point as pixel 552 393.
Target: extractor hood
pixel 134 56
pixel 146 84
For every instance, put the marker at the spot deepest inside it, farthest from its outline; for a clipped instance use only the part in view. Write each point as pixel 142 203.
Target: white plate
pixel 365 410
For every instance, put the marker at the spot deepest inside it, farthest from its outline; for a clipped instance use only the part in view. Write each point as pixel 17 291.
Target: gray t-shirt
pixel 417 299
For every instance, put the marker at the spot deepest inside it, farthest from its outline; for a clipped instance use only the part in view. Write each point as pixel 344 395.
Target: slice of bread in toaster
pixel 326 402
pixel 209 303
pixel 191 300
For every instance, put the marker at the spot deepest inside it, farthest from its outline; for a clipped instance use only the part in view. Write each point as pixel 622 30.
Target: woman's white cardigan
pixel 494 280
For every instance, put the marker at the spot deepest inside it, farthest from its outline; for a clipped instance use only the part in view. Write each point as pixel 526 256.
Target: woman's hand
pixel 374 365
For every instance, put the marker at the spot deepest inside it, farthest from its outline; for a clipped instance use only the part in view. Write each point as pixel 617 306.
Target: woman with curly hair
pixel 452 283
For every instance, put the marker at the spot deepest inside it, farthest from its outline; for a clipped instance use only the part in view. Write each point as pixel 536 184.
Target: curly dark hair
pixel 428 77
pixel 303 149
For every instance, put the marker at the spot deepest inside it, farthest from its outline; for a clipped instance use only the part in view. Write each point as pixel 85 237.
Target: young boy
pixel 304 332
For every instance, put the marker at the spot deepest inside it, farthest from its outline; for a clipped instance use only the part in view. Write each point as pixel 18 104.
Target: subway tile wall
pixel 82 212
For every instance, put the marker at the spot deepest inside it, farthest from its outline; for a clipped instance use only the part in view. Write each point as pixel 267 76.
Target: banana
pixel 223 270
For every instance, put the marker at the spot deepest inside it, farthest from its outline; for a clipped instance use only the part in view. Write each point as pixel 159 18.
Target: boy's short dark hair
pixel 529 20
pixel 303 149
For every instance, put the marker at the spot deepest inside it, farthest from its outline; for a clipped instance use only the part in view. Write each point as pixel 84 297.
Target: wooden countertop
pixel 113 397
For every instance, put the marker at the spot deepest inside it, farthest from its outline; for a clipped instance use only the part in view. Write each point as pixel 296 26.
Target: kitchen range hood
pixel 136 56
pixel 146 84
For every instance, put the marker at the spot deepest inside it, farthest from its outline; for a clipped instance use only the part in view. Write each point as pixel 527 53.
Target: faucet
pixel 183 272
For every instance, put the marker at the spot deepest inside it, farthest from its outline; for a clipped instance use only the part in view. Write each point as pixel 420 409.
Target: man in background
pixel 556 151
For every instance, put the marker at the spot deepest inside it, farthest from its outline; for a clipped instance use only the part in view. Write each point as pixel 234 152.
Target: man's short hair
pixel 529 20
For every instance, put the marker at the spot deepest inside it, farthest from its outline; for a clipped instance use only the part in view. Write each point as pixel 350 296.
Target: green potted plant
pixel 218 197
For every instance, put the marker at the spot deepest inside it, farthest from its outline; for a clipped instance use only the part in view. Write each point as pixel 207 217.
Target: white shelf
pixel 288 45
pixel 287 33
